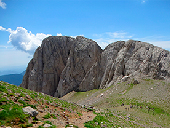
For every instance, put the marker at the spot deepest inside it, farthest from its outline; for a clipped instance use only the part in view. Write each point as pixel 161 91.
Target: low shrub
pixel 47 116
pixel 9 114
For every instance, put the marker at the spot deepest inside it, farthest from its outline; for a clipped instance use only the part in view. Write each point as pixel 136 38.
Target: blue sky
pixel 24 23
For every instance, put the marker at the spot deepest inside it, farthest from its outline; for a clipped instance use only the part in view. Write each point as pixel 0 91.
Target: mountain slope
pixel 46 110
pixel 127 104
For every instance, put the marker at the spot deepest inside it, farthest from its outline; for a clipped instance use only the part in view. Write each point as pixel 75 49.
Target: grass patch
pixel 10 113
pixel 47 116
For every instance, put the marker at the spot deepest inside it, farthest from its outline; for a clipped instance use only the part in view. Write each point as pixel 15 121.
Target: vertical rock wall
pixel 63 64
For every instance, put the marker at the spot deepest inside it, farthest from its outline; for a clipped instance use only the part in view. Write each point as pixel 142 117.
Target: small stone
pixel 125 78
pixel 21 98
pixel 47 125
pixel 135 82
pixel 101 95
pixel 28 97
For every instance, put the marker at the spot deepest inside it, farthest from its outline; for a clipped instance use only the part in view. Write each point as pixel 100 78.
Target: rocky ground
pixel 144 104
pixel 16 104
pixel 129 104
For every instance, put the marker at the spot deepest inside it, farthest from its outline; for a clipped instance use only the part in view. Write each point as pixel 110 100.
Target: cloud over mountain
pixel 24 40
pixel 106 38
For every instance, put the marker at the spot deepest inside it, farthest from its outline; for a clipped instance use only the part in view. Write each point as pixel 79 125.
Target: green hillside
pixel 146 104
pixel 122 105
pixel 52 112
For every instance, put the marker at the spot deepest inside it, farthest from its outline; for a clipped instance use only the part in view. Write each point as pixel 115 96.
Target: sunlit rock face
pixel 63 64
pixel 134 59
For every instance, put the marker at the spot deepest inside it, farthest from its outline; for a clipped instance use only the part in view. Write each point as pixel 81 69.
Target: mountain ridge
pixel 15 79
pixel 63 64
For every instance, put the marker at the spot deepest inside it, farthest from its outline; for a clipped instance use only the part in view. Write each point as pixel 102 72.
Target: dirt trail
pixel 64 117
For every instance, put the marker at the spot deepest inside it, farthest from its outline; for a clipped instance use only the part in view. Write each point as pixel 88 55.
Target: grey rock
pixel 135 59
pixel 47 125
pixel 125 78
pixel 63 64
pixel 135 82
pixel 21 98
pixel 31 111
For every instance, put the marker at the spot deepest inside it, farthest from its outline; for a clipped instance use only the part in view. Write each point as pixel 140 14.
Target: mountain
pixel 63 64
pixel 15 79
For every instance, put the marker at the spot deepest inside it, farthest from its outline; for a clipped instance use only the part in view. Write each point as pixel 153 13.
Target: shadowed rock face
pixel 63 64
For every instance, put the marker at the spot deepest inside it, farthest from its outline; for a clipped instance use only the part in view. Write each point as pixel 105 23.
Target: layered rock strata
pixel 63 64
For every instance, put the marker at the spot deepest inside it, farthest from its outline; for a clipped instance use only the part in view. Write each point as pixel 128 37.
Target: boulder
pixel 31 111
pixel 135 82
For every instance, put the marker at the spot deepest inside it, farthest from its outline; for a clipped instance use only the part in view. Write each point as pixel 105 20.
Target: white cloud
pixel 3 46
pixel 109 37
pixel 102 42
pixel 59 34
pixel 76 36
pixel 143 1
pixel 157 40
pixel 12 57
pixel 2 29
pixel 2 4
pixel 162 44
pixel 24 40
pixel 119 35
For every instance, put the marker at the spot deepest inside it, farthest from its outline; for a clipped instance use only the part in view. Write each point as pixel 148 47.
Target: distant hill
pixel 15 79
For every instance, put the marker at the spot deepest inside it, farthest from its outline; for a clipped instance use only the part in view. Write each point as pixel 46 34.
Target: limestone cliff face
pixel 60 65
pixel 135 59
pixel 63 64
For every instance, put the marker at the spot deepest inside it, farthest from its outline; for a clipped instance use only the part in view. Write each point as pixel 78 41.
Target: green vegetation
pixel 26 125
pixel 53 116
pixel 147 103
pixel 47 116
pixel 120 105
pixel 11 113
pixel 3 88
pixel 109 120
pixel 14 98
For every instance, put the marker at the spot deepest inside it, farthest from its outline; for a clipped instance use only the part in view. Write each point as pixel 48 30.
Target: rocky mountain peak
pixel 63 64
